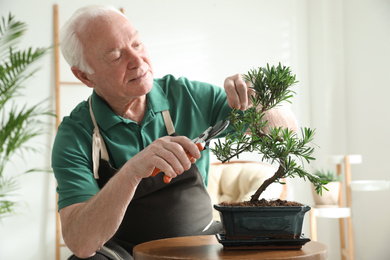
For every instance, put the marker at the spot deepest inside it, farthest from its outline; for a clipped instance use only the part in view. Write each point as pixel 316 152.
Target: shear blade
pixel 218 129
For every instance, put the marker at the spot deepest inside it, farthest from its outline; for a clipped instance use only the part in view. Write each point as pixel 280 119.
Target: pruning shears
pixel 202 142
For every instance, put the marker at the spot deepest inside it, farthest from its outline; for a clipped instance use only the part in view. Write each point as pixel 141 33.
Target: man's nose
pixel 134 59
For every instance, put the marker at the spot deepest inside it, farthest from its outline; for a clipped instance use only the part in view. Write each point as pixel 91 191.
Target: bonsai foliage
pixel 251 132
pixel 19 123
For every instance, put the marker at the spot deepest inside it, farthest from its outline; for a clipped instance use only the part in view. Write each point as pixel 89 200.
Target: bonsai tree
pixel 19 123
pixel 253 133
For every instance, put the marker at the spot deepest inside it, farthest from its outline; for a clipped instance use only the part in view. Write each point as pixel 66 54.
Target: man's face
pixel 121 64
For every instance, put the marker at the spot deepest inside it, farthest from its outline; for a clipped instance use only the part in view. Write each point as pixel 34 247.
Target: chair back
pixel 238 180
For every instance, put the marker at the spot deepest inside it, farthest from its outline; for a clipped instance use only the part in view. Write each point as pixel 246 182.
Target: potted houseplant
pixel 261 222
pixel 330 196
pixel 19 123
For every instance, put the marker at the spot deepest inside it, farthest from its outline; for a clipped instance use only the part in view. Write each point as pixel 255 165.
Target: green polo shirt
pixel 193 106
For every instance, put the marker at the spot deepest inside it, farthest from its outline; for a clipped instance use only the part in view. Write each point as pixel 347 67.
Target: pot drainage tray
pixel 262 243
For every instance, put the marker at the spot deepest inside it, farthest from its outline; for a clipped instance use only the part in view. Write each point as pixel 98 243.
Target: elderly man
pixel 106 150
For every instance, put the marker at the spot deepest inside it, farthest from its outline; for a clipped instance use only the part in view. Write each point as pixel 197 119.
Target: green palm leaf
pixel 16 69
pixel 10 33
pixel 19 124
pixel 7 188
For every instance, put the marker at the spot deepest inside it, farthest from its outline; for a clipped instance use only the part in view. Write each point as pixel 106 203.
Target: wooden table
pixel 208 247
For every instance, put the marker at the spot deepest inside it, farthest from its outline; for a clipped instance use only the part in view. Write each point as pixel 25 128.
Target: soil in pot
pixel 262 203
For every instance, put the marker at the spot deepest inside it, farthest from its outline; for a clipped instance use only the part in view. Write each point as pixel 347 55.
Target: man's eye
pixel 138 45
pixel 116 58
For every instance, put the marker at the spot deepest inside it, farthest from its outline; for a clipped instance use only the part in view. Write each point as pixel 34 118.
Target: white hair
pixel 70 44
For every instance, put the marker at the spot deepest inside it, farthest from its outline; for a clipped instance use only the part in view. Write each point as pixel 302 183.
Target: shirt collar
pixel 106 117
pixel 156 99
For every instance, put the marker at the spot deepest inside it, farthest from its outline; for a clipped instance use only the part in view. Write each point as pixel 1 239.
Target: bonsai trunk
pixel 278 175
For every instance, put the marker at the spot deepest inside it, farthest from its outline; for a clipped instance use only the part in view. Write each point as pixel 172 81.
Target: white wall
pixel 338 49
pixel 349 54
pixel 367 56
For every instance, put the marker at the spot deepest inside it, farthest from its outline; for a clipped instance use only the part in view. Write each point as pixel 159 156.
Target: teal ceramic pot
pixel 262 222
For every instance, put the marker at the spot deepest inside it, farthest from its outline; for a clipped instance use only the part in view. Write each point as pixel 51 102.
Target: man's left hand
pixel 238 92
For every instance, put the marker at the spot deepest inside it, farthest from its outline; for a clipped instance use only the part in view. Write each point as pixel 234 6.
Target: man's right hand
pixel 169 154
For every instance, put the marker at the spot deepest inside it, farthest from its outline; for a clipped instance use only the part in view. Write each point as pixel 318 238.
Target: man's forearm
pixel 87 226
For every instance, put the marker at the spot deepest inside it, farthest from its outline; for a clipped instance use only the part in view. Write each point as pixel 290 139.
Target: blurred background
pixel 339 50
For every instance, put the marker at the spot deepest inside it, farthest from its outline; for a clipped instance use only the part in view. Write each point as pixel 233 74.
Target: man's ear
pixel 82 76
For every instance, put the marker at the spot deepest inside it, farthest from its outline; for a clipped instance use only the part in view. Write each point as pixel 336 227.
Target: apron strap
pixel 99 149
pixel 168 122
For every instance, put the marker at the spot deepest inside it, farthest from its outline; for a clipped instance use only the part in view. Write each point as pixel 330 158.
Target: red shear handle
pixel 168 179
